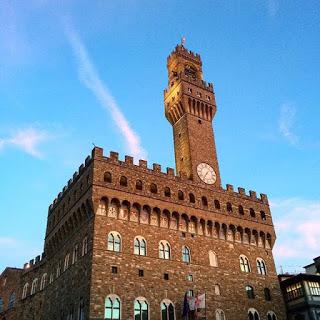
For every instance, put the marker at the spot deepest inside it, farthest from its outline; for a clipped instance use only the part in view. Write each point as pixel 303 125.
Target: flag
pixel 186 308
pixel 200 301
pixel 192 303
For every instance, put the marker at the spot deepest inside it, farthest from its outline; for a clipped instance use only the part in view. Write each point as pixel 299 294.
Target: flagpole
pixel 205 305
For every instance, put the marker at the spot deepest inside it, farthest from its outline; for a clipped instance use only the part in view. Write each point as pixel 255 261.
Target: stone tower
pixel 190 107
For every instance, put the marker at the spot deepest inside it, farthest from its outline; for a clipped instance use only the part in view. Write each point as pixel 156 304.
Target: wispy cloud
pixel 272 7
pixel 90 78
pixel 27 140
pixel 297 224
pixel 287 121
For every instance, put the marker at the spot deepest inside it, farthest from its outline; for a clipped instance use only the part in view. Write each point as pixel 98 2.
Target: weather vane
pixel 183 40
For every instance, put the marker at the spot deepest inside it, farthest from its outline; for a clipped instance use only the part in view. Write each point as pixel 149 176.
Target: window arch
pixel 107 177
pixel 180 195
pixel 43 281
pixel 267 294
pixel 213 259
pixel 123 181
pixel 241 210
pixel 140 246
pixel 25 290
pixel 261 267
pixel 12 300
pixel 84 246
pixel 186 254
pixel 1 305
pixel 75 253
pixel 34 286
pixel 192 198
pixel 114 241
pixel 139 185
pixel 153 188
pixel 220 315
pixel 141 309
pixel 252 213
pixel 167 310
pixel 271 315
pixel 229 207
pixel 167 192
pixel 253 314
pixel 250 292
pixel 244 264
pixel 217 204
pixel 164 250
pixel 204 201
pixel 112 307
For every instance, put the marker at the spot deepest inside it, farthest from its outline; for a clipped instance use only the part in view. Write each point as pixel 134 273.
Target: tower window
pixel 229 207
pixel 263 216
pixel 167 192
pixel 241 211
pixel 123 181
pixel 199 121
pixel 189 90
pixel 107 177
pixel 153 188
pixel 190 277
pixel 217 204
pixel 267 294
pixel 192 199
pixel 250 292
pixel 252 213
pixel 139 185
pixel 141 273
pixel 180 195
pixel 204 201
pixel 114 269
pixel 166 276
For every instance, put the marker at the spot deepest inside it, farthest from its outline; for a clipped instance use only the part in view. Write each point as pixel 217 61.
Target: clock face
pixel 206 173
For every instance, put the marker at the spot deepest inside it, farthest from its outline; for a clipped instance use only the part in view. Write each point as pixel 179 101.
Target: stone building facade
pixel 126 241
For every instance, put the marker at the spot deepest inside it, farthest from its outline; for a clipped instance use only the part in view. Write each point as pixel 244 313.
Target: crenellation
pixel 69 182
pixel 97 152
pixel 170 172
pixel 87 161
pixel 242 191
pixel 156 167
pixel 230 187
pixel 128 160
pixel 81 168
pixel 264 198
pixel 114 156
pixel 143 164
pixel 253 194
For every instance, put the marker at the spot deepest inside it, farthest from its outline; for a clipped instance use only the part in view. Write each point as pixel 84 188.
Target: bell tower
pixel 190 107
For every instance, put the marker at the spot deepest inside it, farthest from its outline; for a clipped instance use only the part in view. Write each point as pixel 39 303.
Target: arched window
pixel 123 181
pixel 84 246
pixel 66 262
pixel 25 290
pixel 114 241
pixel 164 250
pixel 263 216
pixel 229 207
pixel 107 177
pixel 139 185
pixel 217 291
pixel 180 195
pixel 141 309
pixel 34 286
pixel 204 201
pixel 253 314
pixel 250 292
pixel 261 267
pixel 43 281
pixel 220 315
pixel 213 259
pixel 244 264
pixel 12 300
pixel 192 199
pixel 271 316
pixel 58 269
pixel 140 246
pixel 167 192
pixel 112 305
pixel 267 294
pixel 167 310
pixel 186 254
pixel 75 253
pixel 153 188
pixel 217 204
pixel 51 278
pixel 241 211
pixel 1 305
pixel 252 213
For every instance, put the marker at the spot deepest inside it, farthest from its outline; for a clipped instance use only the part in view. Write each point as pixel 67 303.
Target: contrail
pixel 90 78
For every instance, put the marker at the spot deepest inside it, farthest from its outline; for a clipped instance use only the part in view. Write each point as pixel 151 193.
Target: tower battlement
pixel 181 51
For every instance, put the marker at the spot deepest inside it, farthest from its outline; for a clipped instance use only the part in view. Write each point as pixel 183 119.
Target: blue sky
pixel 73 73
